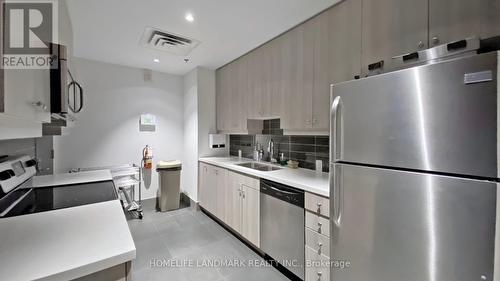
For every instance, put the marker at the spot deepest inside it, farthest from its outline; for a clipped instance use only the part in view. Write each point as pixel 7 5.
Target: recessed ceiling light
pixel 189 17
pixel 156 60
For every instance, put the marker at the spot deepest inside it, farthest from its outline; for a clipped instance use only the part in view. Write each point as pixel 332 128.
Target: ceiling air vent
pixel 168 42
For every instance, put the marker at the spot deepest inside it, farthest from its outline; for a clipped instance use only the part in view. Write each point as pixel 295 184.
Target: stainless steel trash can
pixel 169 174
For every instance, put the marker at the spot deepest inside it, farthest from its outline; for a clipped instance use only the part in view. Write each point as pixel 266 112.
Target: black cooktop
pixel 41 199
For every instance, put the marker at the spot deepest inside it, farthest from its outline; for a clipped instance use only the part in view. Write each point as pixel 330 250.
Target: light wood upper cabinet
pixel 322 78
pixel 289 77
pixel 276 107
pixel 490 19
pixel 296 64
pixel 452 20
pixel 259 83
pixel 238 90
pixel 337 55
pixel 231 85
pixel 322 51
pixel 344 41
pixel 391 28
pixel 222 81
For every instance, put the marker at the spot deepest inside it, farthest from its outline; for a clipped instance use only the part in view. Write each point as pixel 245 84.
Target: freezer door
pixel 394 225
pixel 439 117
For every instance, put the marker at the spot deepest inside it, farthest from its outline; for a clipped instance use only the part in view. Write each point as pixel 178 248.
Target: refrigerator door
pixel 395 225
pixel 439 117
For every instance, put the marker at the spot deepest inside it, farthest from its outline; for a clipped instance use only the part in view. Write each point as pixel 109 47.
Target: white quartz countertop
pixel 307 180
pixel 65 244
pixel 72 178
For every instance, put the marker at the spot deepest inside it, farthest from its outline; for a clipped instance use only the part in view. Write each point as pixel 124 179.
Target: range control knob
pixel 30 163
pixel 7 174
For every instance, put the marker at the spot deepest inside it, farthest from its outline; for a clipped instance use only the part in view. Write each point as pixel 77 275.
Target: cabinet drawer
pixel 317 268
pixel 318 224
pixel 317 204
pixel 318 242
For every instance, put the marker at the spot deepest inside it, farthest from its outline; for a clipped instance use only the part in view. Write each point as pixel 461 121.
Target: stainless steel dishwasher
pixel 282 225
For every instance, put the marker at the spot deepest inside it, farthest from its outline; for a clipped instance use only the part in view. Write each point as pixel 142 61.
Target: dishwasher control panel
pixel 283 192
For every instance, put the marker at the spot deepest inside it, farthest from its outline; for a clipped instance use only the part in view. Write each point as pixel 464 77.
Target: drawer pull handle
pixel 376 65
pixel 319 227
pixel 319 275
pixel 319 208
pixel 319 248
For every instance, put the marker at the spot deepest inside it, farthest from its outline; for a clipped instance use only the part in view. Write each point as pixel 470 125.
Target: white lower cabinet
pixel 317 238
pixel 244 204
pixel 250 228
pixel 121 272
pixel 202 184
pixel 318 223
pixel 318 242
pixel 212 182
pixel 220 193
pixel 233 198
pixel 318 269
pixel 234 202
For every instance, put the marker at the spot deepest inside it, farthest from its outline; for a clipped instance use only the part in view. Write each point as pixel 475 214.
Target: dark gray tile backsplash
pixel 304 149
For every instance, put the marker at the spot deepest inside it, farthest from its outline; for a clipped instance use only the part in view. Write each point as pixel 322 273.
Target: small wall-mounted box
pixel 216 140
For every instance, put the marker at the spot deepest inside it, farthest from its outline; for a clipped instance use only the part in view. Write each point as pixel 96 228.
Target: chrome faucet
pixel 270 149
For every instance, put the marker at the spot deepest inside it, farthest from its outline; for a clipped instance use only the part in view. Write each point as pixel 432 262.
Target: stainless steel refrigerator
pixel 414 173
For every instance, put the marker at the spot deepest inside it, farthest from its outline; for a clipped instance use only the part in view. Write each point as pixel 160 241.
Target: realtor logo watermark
pixel 29 28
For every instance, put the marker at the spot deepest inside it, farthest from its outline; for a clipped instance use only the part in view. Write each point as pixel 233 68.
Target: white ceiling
pixel 110 30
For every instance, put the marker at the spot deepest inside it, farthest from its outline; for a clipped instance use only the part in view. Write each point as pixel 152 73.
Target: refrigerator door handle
pixel 337 193
pixel 336 129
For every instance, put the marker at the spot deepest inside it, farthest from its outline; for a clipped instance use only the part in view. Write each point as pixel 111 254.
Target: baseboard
pixel 193 204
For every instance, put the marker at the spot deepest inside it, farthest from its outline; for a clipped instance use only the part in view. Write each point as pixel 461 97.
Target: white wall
pixel 207 113
pixel 190 169
pixel 107 129
pixel 199 121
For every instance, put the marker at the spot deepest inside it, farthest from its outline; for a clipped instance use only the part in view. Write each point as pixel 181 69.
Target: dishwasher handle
pixel 282 192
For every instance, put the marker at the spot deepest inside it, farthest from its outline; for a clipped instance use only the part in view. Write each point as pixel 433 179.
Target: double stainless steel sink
pixel 259 166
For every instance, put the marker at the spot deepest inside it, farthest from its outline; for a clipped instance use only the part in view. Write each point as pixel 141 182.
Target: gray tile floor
pixel 189 240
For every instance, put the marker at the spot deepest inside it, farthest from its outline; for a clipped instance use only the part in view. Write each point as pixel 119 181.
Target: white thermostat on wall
pixel 216 141
pixel 147 123
pixel 148 119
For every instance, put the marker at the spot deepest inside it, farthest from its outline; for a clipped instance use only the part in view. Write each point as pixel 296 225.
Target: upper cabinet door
pixel 27 94
pixel 392 28
pixel 238 90
pixel 344 55
pixel 275 106
pixel 321 74
pixel 222 94
pixel 337 55
pixel 451 20
pixel 2 86
pixel 258 82
pixel 297 79
pixel 490 19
